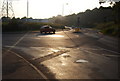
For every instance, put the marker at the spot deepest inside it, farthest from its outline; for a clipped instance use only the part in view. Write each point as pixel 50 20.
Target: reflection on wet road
pixel 51 36
pixel 67 55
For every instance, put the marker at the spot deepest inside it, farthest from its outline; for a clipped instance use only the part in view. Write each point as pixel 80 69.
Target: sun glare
pixel 49 8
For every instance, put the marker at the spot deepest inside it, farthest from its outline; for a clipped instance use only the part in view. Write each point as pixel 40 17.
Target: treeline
pixel 23 24
pixel 90 17
pixel 106 19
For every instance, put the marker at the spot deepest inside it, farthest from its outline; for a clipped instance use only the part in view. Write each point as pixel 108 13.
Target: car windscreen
pixel 46 27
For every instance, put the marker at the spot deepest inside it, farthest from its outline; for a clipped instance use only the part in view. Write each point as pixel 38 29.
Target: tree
pixel 24 18
pixel 5 19
pixel 106 1
pixel 116 10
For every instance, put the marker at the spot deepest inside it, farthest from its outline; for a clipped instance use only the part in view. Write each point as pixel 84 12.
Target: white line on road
pixel 99 48
pixel 17 42
pixel 9 50
pixel 39 72
pixel 102 54
pixel 110 50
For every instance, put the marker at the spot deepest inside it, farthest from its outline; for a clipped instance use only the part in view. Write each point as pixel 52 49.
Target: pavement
pixel 16 67
pixel 106 40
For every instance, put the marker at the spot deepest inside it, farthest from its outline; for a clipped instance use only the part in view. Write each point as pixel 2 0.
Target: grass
pixel 109 28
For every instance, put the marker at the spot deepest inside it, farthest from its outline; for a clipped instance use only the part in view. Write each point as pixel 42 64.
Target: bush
pixel 109 29
pixel 14 25
pixel 37 25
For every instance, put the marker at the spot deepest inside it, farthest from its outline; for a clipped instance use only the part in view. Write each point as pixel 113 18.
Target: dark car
pixel 47 29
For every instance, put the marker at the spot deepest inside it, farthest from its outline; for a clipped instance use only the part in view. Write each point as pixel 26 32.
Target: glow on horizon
pixel 50 8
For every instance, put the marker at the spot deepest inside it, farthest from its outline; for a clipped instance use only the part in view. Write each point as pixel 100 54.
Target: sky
pixel 49 8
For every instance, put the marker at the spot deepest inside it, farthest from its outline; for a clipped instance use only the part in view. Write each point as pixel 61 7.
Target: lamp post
pixel 63 6
pixel 7 9
pixel 27 8
pixel 28 14
pixel 62 9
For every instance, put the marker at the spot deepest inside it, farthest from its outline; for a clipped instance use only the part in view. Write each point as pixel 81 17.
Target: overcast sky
pixel 49 8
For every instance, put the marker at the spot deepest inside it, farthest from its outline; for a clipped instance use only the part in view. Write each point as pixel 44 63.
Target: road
pixel 65 55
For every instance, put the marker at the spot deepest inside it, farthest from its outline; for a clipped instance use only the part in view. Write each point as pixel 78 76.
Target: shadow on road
pixel 44 34
pixel 77 33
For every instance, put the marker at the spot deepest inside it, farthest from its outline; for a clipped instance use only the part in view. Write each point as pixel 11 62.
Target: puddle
pixel 54 50
pixel 65 55
pixel 51 36
pixel 63 64
pixel 77 35
pixel 56 36
pixel 52 55
pixel 81 61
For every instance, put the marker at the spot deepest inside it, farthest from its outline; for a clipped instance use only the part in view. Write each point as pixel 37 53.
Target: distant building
pixel 44 20
pixel 38 20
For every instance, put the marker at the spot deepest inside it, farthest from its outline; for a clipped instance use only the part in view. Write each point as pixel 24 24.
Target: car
pixel 47 29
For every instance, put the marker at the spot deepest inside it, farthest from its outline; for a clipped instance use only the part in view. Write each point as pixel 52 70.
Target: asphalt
pixel 16 67
pixel 111 42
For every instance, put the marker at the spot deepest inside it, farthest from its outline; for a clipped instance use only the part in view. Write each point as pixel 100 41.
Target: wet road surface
pixel 65 55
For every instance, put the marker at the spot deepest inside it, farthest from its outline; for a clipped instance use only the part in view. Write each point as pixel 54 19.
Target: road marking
pixel 98 48
pixel 107 55
pixel 35 68
pixel 110 50
pixel 84 48
pixel 50 36
pixel 17 42
pixel 101 54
